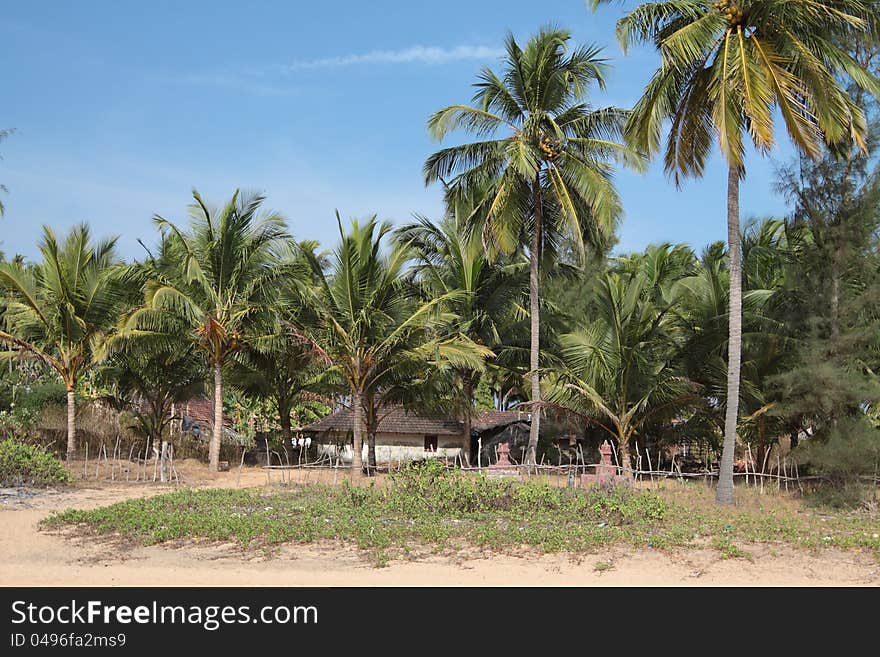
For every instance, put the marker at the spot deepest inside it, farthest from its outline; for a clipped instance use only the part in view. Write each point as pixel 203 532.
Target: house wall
pixel 395 446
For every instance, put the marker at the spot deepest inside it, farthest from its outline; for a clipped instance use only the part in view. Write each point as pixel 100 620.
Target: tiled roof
pixel 398 420
pixel 486 420
pixel 201 410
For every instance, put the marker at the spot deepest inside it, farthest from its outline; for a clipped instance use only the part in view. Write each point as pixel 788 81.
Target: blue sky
pixel 121 108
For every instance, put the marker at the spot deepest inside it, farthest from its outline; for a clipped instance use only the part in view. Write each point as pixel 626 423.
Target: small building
pixel 403 435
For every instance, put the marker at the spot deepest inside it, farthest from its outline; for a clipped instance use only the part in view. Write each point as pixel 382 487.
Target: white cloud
pixel 266 82
pixel 412 55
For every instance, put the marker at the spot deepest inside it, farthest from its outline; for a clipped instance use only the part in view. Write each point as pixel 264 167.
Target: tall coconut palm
pixel 367 323
pixel 61 309
pixel 210 283
pixel 704 309
pixel 547 155
pixel 450 257
pixel 726 66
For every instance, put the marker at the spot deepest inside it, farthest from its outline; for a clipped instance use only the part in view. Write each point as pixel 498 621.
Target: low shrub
pixel 429 487
pixel 844 456
pixel 29 465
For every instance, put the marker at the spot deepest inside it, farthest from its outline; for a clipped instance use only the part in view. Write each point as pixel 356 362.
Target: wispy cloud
pixel 412 55
pixel 271 80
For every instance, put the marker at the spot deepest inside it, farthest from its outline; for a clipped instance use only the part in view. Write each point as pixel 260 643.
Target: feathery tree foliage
pixel 725 67
pixel 828 388
pixel 61 309
pixel 210 284
pixel 546 159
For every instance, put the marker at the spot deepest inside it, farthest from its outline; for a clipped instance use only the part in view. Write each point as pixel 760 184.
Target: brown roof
pixel 200 409
pixel 486 420
pixel 398 420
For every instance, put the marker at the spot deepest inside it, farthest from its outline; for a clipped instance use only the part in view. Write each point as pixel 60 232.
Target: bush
pixel 31 402
pixel 429 487
pixel 844 456
pixel 29 465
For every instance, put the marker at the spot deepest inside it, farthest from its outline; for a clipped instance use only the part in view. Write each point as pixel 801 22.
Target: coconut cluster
pixel 730 10
pixel 551 148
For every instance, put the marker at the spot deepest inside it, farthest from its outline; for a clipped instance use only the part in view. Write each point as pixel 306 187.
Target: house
pixel 196 417
pixel 491 428
pixel 403 435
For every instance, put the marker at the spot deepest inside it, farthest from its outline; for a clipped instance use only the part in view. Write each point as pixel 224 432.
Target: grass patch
pixel 730 551
pixel 429 506
pixel 29 465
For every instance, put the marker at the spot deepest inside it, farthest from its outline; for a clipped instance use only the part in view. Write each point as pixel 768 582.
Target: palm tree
pixel 277 363
pixel 548 172
pixel 620 370
pixel 725 67
pixel 368 324
pixel 449 257
pixel 62 309
pixel 210 285
pixel 149 383
pixel 704 308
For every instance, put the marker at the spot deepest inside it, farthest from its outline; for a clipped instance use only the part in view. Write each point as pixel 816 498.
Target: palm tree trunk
pixel 623 459
pixel 724 494
pixel 357 429
pixel 284 420
pixel 217 435
pixel 535 324
pixel 371 452
pixel 371 424
pixel 71 424
pixel 467 421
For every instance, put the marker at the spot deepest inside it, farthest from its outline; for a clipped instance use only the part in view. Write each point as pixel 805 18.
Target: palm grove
pixel 513 294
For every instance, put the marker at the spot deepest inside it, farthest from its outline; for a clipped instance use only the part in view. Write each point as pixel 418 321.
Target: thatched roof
pixel 398 420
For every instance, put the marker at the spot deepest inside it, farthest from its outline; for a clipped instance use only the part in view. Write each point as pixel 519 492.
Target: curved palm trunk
pixel 535 326
pixel 71 424
pixel 217 435
pixel 357 430
pixel 724 494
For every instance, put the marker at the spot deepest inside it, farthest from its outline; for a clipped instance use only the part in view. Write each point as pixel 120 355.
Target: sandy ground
pixel 31 557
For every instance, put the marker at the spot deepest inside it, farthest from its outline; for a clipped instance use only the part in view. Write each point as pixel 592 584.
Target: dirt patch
pixel 32 557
